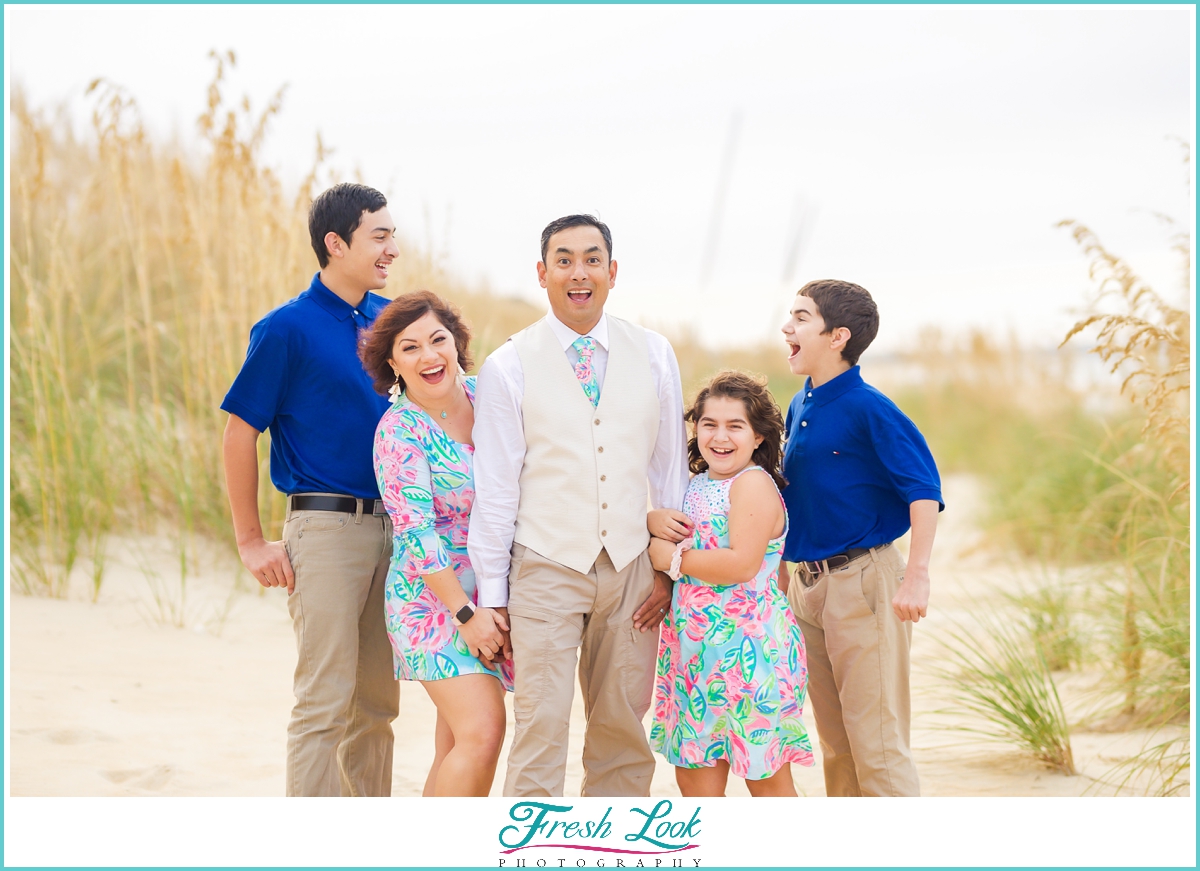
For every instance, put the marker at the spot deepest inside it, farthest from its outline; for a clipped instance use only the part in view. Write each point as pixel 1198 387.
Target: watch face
pixel 465 613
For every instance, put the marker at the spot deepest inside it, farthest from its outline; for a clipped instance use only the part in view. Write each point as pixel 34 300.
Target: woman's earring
pixel 395 390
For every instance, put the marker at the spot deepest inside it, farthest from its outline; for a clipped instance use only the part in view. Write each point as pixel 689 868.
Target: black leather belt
pixel 346 504
pixel 835 562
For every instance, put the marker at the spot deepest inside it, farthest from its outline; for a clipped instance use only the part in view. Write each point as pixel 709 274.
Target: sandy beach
pixel 161 688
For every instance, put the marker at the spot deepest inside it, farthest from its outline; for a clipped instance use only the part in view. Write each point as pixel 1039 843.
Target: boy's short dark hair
pixel 576 221
pixel 340 210
pixel 844 304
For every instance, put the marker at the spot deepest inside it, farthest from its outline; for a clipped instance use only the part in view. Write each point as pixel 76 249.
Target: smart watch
pixel 463 614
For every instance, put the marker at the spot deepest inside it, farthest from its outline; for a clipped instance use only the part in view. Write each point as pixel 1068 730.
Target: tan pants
pixel 556 611
pixel 858 659
pixel 340 734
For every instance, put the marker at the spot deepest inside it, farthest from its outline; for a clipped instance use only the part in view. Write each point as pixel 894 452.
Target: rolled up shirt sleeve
pixel 499 435
pixel 402 472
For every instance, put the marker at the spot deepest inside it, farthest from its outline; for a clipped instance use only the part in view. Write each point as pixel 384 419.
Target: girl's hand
pixel 668 523
pixel 483 636
pixel 661 552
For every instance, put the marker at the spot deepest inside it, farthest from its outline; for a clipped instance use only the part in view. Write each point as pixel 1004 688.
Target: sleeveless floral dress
pixel 428 487
pixel 731 668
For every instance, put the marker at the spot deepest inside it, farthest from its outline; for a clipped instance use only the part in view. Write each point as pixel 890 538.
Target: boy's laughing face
pixel 808 349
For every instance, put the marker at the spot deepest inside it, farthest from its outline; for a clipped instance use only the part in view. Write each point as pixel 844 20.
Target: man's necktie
pixel 586 346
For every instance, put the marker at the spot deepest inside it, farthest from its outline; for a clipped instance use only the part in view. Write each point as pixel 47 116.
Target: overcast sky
pixel 924 152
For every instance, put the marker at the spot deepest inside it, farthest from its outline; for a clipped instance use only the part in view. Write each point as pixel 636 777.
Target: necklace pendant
pixel 443 415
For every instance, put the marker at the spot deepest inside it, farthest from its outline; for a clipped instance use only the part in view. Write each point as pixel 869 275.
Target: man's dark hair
pixel 576 221
pixel 340 210
pixel 843 304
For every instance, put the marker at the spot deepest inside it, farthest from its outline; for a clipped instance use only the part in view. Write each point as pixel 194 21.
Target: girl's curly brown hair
pixel 396 317
pixel 761 413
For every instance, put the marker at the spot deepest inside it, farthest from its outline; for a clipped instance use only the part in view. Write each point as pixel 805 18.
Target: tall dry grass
pixel 137 269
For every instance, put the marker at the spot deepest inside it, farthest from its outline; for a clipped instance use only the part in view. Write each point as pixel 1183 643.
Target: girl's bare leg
pixel 472 706
pixel 778 784
pixel 703 782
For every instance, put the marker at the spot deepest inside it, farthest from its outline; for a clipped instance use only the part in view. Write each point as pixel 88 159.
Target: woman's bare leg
pixel 443 741
pixel 472 706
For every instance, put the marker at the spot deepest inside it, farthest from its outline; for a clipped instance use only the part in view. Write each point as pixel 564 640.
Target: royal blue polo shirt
pixel 303 381
pixel 854 462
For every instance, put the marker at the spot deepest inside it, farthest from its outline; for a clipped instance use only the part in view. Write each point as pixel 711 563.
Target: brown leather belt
pixel 838 560
pixel 347 504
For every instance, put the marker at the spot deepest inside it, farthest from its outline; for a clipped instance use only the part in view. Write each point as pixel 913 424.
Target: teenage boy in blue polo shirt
pixel 859 476
pixel 303 381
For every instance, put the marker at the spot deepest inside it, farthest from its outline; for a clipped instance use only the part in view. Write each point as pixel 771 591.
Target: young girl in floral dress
pixel 731 669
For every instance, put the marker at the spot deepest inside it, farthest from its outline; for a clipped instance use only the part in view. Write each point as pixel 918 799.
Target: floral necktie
pixel 586 346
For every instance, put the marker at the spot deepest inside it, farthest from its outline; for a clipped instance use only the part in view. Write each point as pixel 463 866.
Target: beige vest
pixel 583 484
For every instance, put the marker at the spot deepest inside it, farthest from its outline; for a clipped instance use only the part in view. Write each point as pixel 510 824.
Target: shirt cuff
pixel 492 593
pixel 935 495
pixel 232 406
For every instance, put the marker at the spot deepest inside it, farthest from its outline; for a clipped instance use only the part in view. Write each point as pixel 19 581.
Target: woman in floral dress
pixel 423 461
pixel 731 669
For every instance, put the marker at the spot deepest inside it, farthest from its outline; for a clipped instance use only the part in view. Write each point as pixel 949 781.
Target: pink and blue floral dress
pixel 428 487
pixel 731 668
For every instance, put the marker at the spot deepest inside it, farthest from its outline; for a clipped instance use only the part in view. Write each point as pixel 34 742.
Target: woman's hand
pixel 484 636
pixel 661 552
pixel 668 523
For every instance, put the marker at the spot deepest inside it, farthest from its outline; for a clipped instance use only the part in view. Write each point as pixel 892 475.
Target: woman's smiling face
pixel 426 358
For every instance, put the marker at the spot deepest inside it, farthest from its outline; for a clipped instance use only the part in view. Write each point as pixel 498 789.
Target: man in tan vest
pixel 573 417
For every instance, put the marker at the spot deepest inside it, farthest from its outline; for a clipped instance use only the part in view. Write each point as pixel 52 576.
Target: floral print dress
pixel 731 667
pixel 426 480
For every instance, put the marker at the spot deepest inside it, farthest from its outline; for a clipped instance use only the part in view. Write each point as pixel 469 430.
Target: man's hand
pixel 654 610
pixel 785 577
pixel 268 562
pixel 506 630
pixel 668 523
pixel 912 599
pixel 661 554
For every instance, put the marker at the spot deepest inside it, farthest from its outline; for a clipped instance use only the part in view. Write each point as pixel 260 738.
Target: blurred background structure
pixel 158 192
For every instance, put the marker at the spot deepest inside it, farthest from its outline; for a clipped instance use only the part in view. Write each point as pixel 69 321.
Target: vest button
pixel 604 532
pixel 596 421
pixel 600 450
pixel 604 505
pixel 802 423
pixel 602 478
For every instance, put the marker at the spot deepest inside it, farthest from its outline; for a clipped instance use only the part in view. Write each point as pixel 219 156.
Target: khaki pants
pixel 556 611
pixel 858 659
pixel 340 734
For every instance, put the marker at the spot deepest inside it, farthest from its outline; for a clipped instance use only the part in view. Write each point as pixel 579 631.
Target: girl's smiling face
pixel 724 437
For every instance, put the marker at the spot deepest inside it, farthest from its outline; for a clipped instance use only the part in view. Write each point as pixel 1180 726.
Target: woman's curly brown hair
pixel 761 413
pixel 396 317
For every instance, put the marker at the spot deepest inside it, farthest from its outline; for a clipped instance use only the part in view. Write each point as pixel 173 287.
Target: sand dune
pixel 159 688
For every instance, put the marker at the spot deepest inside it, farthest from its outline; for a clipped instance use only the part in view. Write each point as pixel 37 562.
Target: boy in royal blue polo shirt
pixel 302 380
pixel 859 476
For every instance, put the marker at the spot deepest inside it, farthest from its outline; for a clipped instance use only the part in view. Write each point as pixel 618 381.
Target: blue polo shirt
pixel 303 381
pixel 854 462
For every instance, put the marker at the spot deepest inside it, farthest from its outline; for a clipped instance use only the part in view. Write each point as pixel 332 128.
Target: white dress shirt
pixel 499 435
